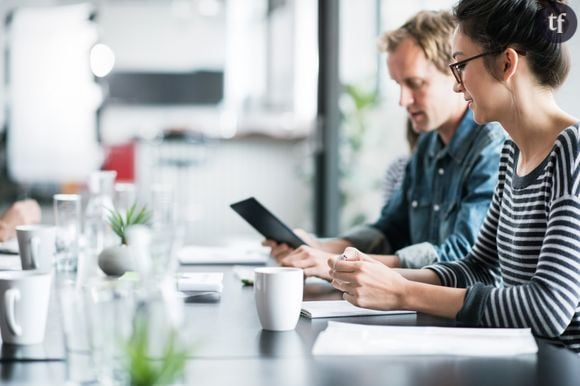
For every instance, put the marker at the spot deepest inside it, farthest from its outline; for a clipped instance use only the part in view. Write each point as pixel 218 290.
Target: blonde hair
pixel 431 30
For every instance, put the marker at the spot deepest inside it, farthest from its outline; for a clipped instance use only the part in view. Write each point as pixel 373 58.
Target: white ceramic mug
pixel 24 306
pixel 278 293
pixel 37 246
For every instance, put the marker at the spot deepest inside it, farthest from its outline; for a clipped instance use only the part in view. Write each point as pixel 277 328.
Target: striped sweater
pixel 524 270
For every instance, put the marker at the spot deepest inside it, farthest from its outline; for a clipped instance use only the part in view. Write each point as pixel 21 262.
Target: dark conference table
pixel 232 349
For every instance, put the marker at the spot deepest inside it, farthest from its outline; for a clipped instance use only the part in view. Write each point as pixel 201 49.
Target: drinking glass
pixel 163 205
pixel 67 218
pixel 110 307
pixel 125 196
pixel 80 366
pixel 98 233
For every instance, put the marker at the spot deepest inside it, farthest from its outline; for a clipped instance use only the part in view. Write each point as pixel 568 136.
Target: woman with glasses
pixel 524 270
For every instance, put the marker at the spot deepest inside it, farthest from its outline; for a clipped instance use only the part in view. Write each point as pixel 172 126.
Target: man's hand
pixel 280 251
pixel 20 213
pixel 311 260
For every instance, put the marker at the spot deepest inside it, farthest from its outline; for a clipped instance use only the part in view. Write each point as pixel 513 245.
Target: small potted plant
pixel 145 369
pixel 116 260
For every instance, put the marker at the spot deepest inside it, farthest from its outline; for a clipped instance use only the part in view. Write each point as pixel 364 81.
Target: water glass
pixel 80 367
pixel 125 196
pixel 165 242
pixel 163 205
pixel 67 218
pixel 110 307
pixel 73 317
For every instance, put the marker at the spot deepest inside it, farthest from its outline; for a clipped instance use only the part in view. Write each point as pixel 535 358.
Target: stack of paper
pixel 194 254
pixel 354 339
pixel 340 308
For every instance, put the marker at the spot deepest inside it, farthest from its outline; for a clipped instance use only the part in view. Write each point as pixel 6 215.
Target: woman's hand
pixel 366 282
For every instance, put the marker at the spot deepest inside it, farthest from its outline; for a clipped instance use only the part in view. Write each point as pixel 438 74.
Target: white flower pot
pixel 116 260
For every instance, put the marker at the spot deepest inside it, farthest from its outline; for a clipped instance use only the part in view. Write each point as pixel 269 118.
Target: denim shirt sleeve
pixel 474 205
pixel 417 255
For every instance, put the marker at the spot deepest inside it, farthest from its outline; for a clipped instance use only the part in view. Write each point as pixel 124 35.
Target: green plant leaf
pixel 143 370
pixel 134 216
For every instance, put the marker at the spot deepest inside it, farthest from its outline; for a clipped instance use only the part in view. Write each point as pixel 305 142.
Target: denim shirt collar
pixel 460 143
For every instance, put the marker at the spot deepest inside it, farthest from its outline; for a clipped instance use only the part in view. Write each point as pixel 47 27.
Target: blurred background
pixel 285 100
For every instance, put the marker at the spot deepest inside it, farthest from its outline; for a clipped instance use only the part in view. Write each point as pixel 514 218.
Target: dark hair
pixel 499 24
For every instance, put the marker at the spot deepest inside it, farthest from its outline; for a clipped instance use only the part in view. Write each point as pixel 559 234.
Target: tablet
pixel 266 223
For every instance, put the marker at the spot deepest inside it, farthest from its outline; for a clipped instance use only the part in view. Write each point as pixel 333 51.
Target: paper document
pixel 355 339
pixel 200 281
pixel 194 254
pixel 340 308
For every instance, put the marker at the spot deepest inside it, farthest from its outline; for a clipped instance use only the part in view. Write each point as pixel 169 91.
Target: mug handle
pixel 34 249
pixel 11 296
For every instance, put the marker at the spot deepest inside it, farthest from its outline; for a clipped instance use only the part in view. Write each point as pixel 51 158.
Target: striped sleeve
pixel 532 231
pixel 549 301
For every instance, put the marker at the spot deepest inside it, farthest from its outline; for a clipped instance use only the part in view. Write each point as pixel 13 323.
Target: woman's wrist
pixel 409 296
pixel 432 299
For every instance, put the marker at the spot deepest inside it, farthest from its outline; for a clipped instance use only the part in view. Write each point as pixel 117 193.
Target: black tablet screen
pixel 266 223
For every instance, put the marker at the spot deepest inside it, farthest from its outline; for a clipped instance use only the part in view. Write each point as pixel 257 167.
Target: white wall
pixel 278 173
pixel 152 36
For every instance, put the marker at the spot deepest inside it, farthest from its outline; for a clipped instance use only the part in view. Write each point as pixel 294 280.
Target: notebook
pixel 341 308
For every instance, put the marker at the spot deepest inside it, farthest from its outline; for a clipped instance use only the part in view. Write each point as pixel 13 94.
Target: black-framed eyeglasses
pixel 458 67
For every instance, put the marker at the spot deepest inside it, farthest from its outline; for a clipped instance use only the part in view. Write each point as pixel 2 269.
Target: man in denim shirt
pixel 450 179
pixel 446 191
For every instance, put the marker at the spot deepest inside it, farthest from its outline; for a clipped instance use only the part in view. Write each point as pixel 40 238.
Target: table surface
pixel 231 348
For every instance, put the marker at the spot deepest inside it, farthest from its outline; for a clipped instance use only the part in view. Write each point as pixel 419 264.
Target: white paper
pixel 200 281
pixel 194 254
pixel 354 339
pixel 340 308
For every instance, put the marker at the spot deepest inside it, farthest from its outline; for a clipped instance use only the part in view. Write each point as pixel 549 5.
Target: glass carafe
pixel 98 233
